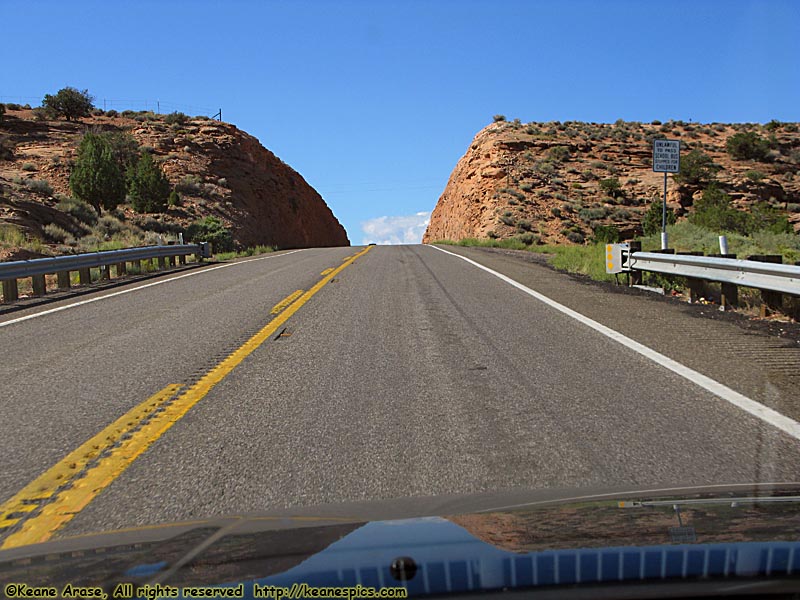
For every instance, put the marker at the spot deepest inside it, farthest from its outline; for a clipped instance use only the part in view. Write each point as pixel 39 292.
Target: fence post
pixel 122 269
pixel 85 276
pixel 729 296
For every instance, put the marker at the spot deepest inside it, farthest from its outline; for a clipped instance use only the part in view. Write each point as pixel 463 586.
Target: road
pixel 406 372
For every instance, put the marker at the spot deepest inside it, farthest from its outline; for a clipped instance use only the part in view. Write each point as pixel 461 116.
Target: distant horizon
pixel 375 102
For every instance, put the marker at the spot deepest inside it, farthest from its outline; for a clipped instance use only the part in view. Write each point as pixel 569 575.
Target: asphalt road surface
pixel 408 372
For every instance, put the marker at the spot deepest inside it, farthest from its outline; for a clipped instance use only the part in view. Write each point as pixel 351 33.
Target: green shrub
pixel 524 225
pixel 611 186
pixel 651 222
pixel 28 166
pixel 174 198
pixel 528 238
pixel 148 187
pixel 82 211
pixel 620 214
pixel 2 112
pixel 556 212
pixel 176 118
pixel 7 147
pixel 111 113
pixel 128 114
pixel 558 153
pixel 190 184
pixel 108 225
pixel 793 207
pixel 211 229
pixel 715 213
pixel 606 234
pixel 97 177
pixel 697 168
pixel 592 214
pixel 69 103
pixel 747 146
pixel 498 118
pixel 754 175
pixel 39 186
pixel 575 237
pixel 56 234
pixel 655 122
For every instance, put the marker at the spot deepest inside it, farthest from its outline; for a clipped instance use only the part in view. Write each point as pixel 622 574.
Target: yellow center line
pixel 68 503
pixel 45 486
pixel 286 302
pixel 326 271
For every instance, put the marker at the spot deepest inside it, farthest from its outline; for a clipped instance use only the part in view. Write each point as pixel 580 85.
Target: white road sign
pixel 666 156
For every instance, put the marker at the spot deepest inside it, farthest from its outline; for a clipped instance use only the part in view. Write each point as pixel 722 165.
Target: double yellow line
pixel 60 493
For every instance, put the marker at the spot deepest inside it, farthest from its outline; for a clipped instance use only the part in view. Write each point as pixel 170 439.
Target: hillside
pixel 218 170
pixel 556 182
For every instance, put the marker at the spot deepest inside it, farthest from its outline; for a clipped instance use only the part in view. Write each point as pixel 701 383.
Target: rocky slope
pixel 545 179
pixel 219 171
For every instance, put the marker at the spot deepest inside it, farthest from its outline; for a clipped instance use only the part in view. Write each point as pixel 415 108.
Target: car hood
pixel 445 544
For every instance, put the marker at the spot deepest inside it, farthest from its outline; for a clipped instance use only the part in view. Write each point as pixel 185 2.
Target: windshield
pixel 270 257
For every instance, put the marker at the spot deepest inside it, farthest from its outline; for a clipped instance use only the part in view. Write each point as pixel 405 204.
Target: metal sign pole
pixel 664 243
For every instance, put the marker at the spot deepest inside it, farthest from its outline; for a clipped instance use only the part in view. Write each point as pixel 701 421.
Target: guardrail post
pixel 105 272
pixel 10 290
pixel 85 276
pixel 729 292
pixel 770 301
pixel 122 269
pixel 63 280
pixel 171 261
pixel 182 259
pixel 137 265
pixel 636 276
pixel 697 287
pixel 39 285
pixel 162 263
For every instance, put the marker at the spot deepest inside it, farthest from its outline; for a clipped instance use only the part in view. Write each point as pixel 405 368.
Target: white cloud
pixel 395 230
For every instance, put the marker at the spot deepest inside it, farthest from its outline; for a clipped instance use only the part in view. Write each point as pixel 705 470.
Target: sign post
pixel 666 159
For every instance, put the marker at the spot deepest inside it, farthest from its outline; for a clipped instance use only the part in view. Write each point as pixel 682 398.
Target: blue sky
pixel 374 101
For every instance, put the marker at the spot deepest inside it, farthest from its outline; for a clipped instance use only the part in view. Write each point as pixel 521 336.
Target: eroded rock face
pixel 545 180
pixel 219 170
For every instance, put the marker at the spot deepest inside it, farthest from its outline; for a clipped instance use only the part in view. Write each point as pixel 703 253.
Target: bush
pixel 592 214
pixel 611 186
pixel 56 234
pixel 575 237
pixel 190 184
pixel 697 168
pixel 80 210
pixel 7 147
pixel 39 186
pixel 69 103
pixel 754 175
pixel 176 118
pixel 747 146
pixel 715 213
pixel 148 187
pixel 528 238
pixel 498 118
pixel 558 153
pixel 524 225
pixel 606 234
pixel 556 212
pixel 97 177
pixel 651 222
pixel 211 229
pixel 2 112
pixel 174 198
pixel 108 225
pixel 28 167
pixel 111 113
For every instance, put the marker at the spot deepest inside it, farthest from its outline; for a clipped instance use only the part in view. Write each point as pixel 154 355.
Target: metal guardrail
pixel 37 268
pixel 749 273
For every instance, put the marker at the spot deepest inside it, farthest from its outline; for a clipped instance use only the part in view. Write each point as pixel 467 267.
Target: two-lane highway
pixel 405 372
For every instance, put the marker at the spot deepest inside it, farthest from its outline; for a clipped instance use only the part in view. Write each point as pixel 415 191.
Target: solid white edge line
pixel 758 410
pixel 139 287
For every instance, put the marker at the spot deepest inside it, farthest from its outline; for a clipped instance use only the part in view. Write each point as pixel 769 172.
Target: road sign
pixel 616 255
pixel 666 156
